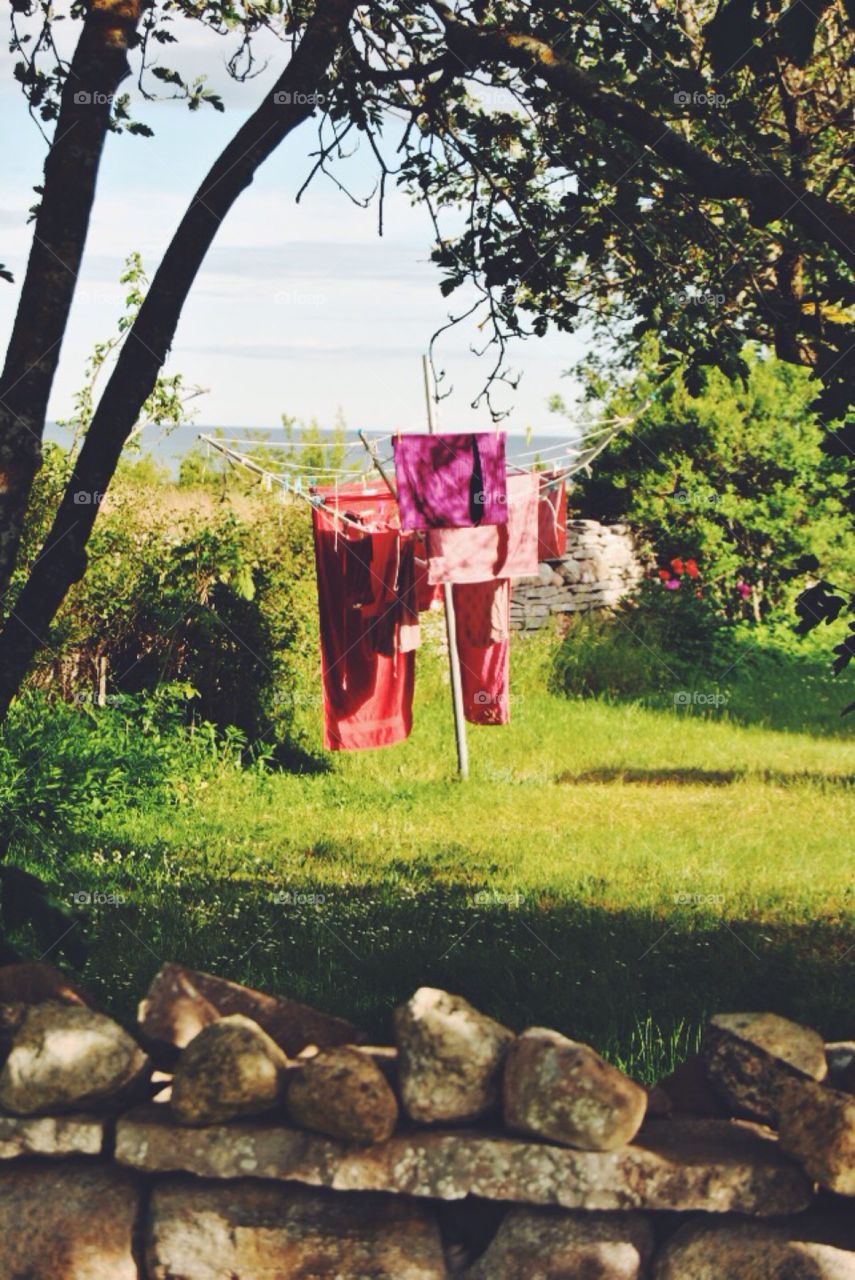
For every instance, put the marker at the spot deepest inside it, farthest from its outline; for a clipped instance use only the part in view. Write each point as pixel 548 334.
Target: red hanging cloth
pixel 367 680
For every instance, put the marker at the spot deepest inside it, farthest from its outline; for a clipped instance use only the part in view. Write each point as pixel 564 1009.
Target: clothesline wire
pixel 289 444
pixel 347 447
pixel 579 463
pixel 314 500
pixel 602 427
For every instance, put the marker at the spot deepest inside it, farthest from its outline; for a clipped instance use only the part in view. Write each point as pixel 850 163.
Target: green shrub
pixel 64 763
pixel 183 588
pixel 655 641
pixel 736 476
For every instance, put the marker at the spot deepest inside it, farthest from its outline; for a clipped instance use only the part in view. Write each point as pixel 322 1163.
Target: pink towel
pixel 490 551
pixel 451 481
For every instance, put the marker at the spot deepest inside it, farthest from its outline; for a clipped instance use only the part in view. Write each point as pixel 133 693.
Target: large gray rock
pixel 753 1251
pixel 342 1092
pixel 713 1165
pixel 817 1127
pixel 558 1089
pixel 71 1221
pixel 749 1055
pixel 450 1058
pixel 50 1136
pixel 551 1244
pixel 67 1057
pixel 246 1231
pixel 231 1069
pixel 181 1002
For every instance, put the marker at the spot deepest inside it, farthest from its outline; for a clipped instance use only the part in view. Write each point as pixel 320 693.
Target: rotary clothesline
pixel 546 464
pixel 312 471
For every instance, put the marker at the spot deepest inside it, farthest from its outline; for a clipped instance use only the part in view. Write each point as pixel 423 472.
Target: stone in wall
pixel 450 1057
pixel 817 1126
pixel 70 1221
pixel 34 981
pixel 181 1002
pixel 754 1251
pixel 67 1057
pixel 552 1244
pixel 714 1165
pixel 748 1056
pixel 247 1231
pixel 342 1092
pixel 50 1136
pixel 231 1068
pixel 558 1089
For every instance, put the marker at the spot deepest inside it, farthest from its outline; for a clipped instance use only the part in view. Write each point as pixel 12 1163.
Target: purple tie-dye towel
pixel 451 481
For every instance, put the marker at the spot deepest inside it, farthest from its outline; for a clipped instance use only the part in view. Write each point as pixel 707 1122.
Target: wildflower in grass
pixel 677 566
pixel 743 589
pixel 692 569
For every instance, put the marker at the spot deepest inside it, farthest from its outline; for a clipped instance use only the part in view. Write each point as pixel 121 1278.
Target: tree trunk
pixel 62 560
pixel 98 67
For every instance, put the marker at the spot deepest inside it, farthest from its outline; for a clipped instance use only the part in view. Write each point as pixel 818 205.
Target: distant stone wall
pixel 600 568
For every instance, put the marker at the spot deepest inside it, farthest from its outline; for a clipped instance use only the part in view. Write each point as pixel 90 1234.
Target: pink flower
pixel 743 589
pixel 673 584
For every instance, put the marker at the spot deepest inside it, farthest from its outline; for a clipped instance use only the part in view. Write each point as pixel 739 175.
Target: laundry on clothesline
pixel 383 555
pixel 451 481
pixel 507 550
pixel 367 676
pixel 482 617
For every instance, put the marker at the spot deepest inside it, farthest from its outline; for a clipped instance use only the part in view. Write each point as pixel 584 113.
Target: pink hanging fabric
pixel 495 551
pixel 451 481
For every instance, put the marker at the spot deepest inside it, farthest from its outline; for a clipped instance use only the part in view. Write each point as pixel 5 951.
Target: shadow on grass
pixel 637 985
pixel 759 687
pixel 707 777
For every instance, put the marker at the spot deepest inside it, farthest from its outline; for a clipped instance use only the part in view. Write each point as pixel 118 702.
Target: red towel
pixel 368 695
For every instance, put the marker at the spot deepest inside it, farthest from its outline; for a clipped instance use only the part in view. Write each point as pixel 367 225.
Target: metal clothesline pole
pixel 450 627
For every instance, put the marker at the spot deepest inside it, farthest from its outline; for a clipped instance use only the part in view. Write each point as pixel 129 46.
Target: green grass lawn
pixel 615 870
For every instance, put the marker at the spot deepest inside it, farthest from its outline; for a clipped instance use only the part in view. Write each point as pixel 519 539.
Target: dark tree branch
pixel 770 195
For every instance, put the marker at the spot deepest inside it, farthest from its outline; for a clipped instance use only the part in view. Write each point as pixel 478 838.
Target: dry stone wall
pixel 600 568
pixel 209 1150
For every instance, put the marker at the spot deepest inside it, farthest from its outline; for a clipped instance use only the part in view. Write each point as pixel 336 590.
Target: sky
pixel 300 308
